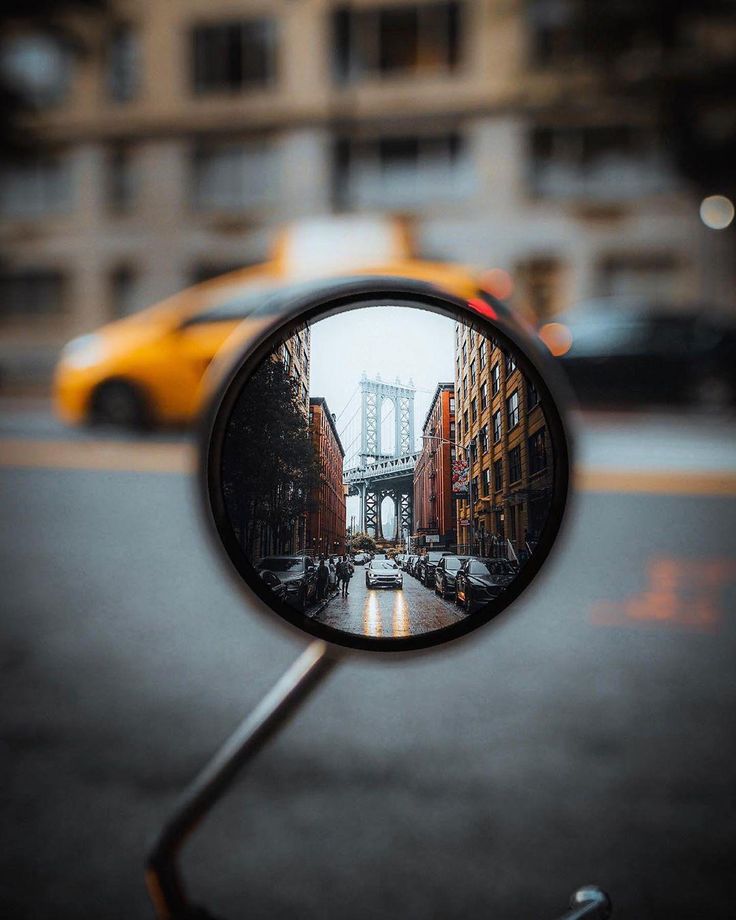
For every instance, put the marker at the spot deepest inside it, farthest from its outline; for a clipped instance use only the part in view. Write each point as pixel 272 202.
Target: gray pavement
pixel 585 735
pixel 411 610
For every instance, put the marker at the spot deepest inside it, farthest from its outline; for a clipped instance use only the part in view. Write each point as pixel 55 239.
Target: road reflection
pixel 401 623
pixel 372 619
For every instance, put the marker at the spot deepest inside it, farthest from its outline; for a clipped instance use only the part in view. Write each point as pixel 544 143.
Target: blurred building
pixel 174 148
pixel 434 507
pixel 326 518
pixel 500 422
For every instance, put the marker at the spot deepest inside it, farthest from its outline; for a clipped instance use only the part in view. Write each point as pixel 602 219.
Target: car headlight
pixel 84 351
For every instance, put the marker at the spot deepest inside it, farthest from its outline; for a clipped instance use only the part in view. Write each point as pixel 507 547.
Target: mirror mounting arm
pixel 163 880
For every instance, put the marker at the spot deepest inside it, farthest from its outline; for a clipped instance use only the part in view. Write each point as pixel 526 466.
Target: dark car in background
pixel 297 577
pixel 480 580
pixel 620 351
pixel 426 566
pixel 445 574
pixel 409 563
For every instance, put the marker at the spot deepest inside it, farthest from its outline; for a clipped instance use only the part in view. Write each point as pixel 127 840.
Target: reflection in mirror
pixel 387 472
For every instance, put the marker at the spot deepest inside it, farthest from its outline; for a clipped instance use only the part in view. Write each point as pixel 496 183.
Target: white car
pixel 383 573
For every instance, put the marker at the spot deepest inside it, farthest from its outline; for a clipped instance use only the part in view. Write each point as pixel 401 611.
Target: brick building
pixel 501 420
pixel 326 519
pixel 434 507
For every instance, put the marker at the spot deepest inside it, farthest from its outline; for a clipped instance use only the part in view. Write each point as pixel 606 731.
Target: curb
pixel 317 610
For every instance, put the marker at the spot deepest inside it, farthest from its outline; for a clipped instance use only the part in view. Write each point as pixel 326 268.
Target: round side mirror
pixel 379 417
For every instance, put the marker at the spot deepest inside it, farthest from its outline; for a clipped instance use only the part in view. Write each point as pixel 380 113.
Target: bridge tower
pixel 396 480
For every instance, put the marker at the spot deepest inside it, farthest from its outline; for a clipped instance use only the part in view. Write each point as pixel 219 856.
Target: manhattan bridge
pixel 380 458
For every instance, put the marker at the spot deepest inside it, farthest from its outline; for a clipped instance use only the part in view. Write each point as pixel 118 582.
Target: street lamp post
pixel 468 459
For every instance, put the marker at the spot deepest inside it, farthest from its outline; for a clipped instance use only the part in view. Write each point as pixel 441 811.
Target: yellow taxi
pixel 149 368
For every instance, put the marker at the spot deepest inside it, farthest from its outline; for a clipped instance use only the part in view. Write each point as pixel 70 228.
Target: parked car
pixel 383 573
pixel 427 566
pixel 297 574
pixel 411 561
pixel 360 558
pixel 445 574
pixel 400 559
pixel 480 580
pixel 624 351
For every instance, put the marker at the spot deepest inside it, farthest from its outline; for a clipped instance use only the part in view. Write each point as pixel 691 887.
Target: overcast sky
pixel 391 341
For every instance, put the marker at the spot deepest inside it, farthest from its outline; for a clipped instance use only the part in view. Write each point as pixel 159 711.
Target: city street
pixel 584 736
pixel 389 611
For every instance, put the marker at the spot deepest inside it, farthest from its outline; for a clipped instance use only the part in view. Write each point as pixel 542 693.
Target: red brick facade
pixel 434 508
pixel 326 512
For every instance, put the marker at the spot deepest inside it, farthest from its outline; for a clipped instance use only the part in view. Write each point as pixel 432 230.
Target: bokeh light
pixel 557 337
pixel 498 282
pixel 716 212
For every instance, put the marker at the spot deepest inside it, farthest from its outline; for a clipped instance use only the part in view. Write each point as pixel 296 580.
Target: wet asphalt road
pixel 388 612
pixel 585 735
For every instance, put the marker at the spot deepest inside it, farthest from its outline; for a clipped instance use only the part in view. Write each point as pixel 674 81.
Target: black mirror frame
pixel 355 294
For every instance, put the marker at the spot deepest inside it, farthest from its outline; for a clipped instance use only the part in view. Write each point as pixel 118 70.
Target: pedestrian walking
pixel 322 579
pixel 346 573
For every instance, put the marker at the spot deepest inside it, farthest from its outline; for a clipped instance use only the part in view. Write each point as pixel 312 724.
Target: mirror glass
pixel 388 473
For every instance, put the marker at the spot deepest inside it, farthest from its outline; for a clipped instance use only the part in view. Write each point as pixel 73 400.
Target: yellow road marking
pixel 180 458
pixel 656 482
pixel 115 456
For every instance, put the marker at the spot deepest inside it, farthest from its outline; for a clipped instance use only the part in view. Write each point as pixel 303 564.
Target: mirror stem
pixel 163 879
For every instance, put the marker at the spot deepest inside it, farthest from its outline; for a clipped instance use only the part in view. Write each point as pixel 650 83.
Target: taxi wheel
pixel 119 403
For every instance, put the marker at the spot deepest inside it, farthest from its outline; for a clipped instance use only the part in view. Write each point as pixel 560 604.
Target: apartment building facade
pixel 326 515
pixel 434 505
pixel 500 426
pixel 190 131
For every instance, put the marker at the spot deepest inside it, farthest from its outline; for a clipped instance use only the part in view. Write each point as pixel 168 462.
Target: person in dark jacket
pixel 322 579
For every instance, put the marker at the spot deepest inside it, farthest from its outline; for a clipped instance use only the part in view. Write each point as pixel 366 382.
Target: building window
pixel 472 372
pixel 36 187
pixel 483 436
pixel 598 162
pixel 474 409
pixel 512 410
pixel 233 176
pixel 122 63
pixel 401 170
pixel 38 68
pixel 122 186
pixel 124 291
pixel 286 358
pixel 417 39
pixel 234 56
pixel 537 452
pixel 28 293
pixel 459 431
pixel 532 396
pixel 465 419
pixel 452 404
pixel 497 426
pixel 495 379
pixel 465 387
pixel 484 396
pixel 482 354
pixel 475 489
pixel 485 482
pixel 452 431
pixel 509 363
pixel 498 476
pixel 465 353
pixel 515 464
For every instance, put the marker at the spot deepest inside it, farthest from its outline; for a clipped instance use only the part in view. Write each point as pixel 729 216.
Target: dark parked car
pixel 445 574
pixel 480 580
pixel 427 565
pixel 621 351
pixel 297 575
pixel 411 561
